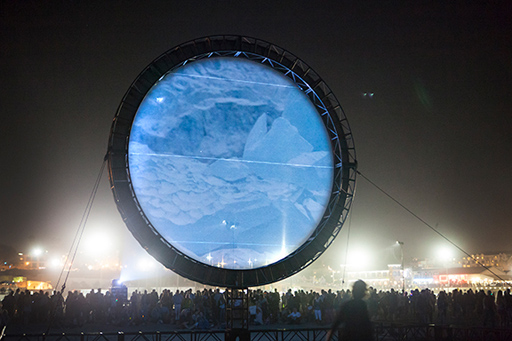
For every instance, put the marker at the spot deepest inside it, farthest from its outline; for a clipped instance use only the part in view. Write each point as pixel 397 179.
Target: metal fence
pixel 216 335
pixel 432 332
pixel 383 332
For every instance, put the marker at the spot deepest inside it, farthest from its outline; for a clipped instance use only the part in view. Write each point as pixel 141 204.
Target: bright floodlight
pixel 359 257
pixel 232 162
pixel 56 263
pixel 445 253
pixel 98 243
pixel 37 252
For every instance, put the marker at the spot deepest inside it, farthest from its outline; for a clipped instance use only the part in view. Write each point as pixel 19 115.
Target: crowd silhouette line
pixel 206 309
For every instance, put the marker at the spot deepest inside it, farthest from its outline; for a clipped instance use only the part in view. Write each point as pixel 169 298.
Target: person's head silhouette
pixel 359 289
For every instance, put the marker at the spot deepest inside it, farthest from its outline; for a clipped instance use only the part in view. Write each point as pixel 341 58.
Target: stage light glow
pixel 56 263
pixel 359 258
pixel 98 243
pixel 445 253
pixel 37 252
pixel 117 283
pixel 224 154
pixel 146 264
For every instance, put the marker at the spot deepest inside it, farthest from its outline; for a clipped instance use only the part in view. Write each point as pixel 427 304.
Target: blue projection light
pixel 231 162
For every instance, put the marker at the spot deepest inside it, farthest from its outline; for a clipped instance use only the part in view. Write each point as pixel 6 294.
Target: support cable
pixel 81 227
pixel 430 226
pixel 73 250
pixel 346 248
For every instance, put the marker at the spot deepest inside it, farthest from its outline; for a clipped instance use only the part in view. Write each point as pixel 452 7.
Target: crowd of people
pixel 206 309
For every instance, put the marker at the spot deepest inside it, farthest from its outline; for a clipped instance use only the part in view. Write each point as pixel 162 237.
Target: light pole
pixel 402 259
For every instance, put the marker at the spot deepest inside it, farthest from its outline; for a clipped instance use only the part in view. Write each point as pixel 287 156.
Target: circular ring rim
pixel 329 109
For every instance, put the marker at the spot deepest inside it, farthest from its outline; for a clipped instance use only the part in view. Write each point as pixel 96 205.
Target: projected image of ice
pixel 230 162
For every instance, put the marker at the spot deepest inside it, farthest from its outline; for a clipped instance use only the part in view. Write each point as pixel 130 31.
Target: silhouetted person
pixel 489 310
pixel 353 317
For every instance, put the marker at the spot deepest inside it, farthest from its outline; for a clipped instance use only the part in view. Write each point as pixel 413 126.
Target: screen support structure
pixel 237 314
pixel 329 111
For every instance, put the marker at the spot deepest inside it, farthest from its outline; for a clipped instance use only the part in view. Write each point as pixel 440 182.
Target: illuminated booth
pixel 231 162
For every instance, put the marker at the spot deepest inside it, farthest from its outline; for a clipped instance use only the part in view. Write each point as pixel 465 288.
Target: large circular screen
pixel 231 162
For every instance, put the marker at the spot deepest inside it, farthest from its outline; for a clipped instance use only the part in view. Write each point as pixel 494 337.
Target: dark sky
pixel 437 135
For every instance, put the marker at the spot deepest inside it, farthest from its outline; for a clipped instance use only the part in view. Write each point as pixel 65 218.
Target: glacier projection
pixel 230 162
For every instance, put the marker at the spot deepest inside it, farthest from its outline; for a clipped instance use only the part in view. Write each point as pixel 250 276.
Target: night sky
pixel 436 135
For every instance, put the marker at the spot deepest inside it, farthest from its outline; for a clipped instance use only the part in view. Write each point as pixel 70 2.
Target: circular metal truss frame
pixel 329 109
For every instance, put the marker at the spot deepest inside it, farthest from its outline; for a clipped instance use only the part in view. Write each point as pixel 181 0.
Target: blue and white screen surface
pixel 230 162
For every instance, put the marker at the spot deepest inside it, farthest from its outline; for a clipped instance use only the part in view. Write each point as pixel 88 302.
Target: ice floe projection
pixel 230 162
